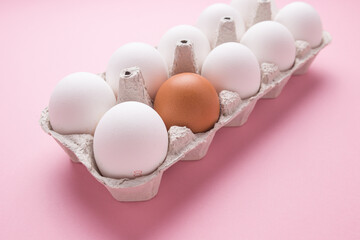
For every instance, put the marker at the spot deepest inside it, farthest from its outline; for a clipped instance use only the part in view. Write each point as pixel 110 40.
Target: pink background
pixel 292 172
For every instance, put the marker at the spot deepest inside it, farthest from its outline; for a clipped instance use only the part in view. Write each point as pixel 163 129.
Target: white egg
pixel 247 8
pixel 142 55
pixel 271 42
pixel 78 102
pixel 303 21
pixel 232 66
pixel 170 39
pixel 209 20
pixel 130 140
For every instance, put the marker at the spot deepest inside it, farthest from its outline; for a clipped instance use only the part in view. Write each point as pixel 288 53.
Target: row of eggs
pixel 131 138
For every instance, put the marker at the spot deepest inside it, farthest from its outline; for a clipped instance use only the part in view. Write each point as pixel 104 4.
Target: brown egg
pixel 188 99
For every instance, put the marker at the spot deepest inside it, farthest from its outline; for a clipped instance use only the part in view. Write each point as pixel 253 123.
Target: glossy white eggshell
pixel 232 66
pixel 209 20
pixel 78 102
pixel 169 40
pixel 271 42
pixel 130 140
pixel 303 21
pixel 142 55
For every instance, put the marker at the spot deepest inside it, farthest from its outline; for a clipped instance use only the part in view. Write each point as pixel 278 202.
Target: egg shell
pixel 303 21
pixel 183 144
pixel 137 54
pixel 188 99
pixel 271 42
pixel 172 37
pixel 78 102
pixel 130 140
pixel 210 18
pixel 232 66
pixel 248 9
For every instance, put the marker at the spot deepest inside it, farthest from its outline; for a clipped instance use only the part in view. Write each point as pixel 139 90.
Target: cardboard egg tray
pixel 183 144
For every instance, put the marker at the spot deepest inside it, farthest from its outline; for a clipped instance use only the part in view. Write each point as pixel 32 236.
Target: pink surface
pixel 292 172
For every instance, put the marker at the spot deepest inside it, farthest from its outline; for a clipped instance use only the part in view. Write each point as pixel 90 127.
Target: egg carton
pixel 183 144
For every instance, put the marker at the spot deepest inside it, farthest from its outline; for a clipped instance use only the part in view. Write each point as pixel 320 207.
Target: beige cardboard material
pixel 132 87
pixel 184 58
pixel 226 32
pixel 263 12
pixel 183 144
